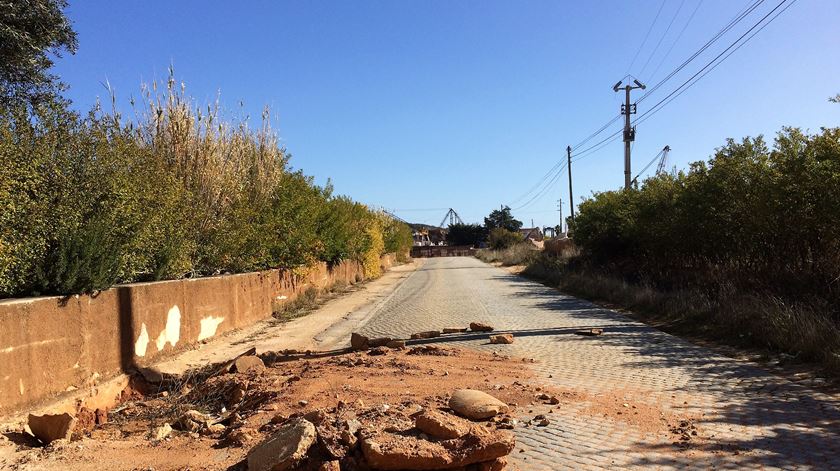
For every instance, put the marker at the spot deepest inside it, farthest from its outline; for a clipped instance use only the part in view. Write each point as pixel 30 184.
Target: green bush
pixel 466 234
pixel 501 238
pixel 89 202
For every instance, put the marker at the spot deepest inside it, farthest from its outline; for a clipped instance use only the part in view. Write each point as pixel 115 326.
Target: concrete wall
pixel 53 345
pixel 422 251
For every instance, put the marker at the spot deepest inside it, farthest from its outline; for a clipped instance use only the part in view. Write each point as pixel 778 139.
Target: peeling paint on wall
pixel 20 385
pixel 172 333
pixel 208 327
pixel 142 342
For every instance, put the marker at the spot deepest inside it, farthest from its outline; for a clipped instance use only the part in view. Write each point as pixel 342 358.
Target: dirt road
pixel 632 381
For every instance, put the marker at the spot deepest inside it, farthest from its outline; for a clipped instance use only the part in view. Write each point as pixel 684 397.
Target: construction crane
pixel 453 218
pixel 663 159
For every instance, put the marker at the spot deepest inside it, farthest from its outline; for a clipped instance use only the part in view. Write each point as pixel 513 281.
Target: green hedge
pixel 89 202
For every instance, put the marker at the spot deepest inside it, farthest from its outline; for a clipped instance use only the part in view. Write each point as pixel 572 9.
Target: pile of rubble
pixel 430 438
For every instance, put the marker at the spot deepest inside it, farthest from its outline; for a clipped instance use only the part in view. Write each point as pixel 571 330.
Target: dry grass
pixel 807 332
pixel 519 254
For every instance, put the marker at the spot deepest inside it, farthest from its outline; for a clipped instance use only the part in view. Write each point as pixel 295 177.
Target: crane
pixel 663 159
pixel 453 218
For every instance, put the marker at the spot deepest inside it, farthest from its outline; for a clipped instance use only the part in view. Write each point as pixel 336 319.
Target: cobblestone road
pixel 746 417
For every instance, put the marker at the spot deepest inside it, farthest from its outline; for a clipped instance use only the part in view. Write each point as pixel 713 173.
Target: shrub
pixel 501 238
pixel 466 234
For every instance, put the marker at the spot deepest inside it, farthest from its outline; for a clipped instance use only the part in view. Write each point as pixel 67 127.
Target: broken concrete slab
pixel 441 425
pixel 476 405
pixel 429 334
pixel 480 327
pixel 454 330
pixel 379 342
pixel 50 427
pixel 359 341
pixel 391 451
pixel 284 448
pixel 501 339
pixel 395 344
pixel 160 433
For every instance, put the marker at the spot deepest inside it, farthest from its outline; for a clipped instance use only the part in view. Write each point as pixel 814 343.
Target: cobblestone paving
pixel 747 418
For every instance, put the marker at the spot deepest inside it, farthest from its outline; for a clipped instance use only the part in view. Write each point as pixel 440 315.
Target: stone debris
pixel 390 451
pixel 193 421
pixel 378 351
pixel 476 405
pixel 454 330
pixel 379 342
pixel 330 466
pixel 590 332
pixel 284 448
pixel 501 339
pixel 396 344
pixel 160 433
pixel 441 425
pixel 248 364
pixel 359 341
pixel 480 327
pixel 429 334
pixel 50 427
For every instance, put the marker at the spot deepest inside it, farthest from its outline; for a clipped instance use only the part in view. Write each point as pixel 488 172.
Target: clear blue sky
pixel 430 104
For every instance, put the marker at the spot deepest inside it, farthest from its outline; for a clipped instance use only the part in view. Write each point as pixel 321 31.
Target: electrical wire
pixel 661 38
pixel 599 131
pixel 544 190
pixel 715 62
pixel 677 40
pixel 641 46
pixel 540 182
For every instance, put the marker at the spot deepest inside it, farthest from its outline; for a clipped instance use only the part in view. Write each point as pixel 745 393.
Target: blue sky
pixel 419 106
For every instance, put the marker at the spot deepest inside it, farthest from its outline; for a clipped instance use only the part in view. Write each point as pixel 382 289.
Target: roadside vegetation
pixel 742 248
pixel 178 189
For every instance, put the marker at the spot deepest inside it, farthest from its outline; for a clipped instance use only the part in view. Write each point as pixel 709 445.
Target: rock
pixel 501 338
pixel 455 330
pixel 590 332
pixel 429 334
pixel 496 465
pixel 249 363
pixel 192 421
pixel 50 427
pixel 213 429
pixel 359 341
pixel 378 351
pixel 476 405
pixel 441 425
pixel 395 344
pixel 392 451
pixel 554 400
pixel 239 438
pixel 317 416
pixel 330 466
pixel 101 416
pixel 303 402
pixel 480 327
pixel 159 433
pixel 283 449
pixel 379 342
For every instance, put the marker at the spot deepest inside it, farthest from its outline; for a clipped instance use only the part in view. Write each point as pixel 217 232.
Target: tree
pixel 501 238
pixel 502 218
pixel 31 31
pixel 466 234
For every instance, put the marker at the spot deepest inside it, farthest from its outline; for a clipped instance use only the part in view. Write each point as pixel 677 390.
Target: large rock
pixel 476 405
pixel 359 341
pixel 379 342
pixel 250 363
pixel 441 425
pixel 390 451
pixel 480 327
pixel 50 427
pixel 283 449
pixel 496 465
pixel 454 330
pixel 501 338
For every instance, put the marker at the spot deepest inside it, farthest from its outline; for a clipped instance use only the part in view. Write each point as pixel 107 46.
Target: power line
pixel 544 190
pixel 545 177
pixel 714 62
pixel 641 46
pixel 679 36
pixel 738 18
pixel 734 21
pixel 661 38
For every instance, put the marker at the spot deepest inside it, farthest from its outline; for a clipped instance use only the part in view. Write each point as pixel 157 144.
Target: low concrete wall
pixel 53 345
pixel 423 251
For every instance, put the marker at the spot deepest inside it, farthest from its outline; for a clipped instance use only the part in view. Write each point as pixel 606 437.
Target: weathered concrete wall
pixel 52 345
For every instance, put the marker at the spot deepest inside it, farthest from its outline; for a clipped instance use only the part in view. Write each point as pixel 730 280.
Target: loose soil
pixel 380 388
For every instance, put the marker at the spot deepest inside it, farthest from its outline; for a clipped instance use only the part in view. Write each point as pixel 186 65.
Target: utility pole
pixel 560 208
pixel 571 197
pixel 629 133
